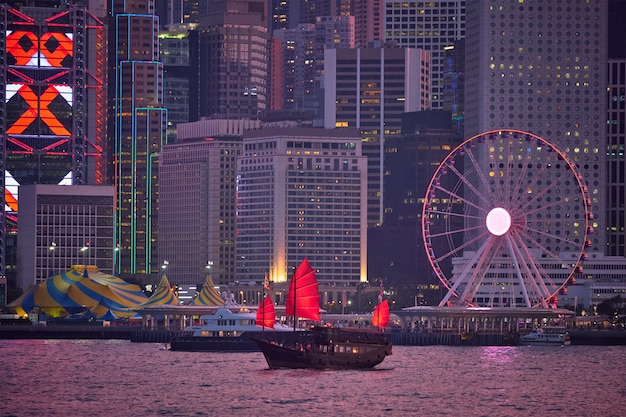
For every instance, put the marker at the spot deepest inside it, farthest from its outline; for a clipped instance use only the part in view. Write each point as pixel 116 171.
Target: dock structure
pixel 481 320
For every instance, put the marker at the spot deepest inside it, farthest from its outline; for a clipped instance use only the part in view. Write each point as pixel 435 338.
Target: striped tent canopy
pixel 163 295
pixel 78 290
pixel 208 295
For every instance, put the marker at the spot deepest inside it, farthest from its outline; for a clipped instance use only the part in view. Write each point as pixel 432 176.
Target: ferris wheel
pixel 506 221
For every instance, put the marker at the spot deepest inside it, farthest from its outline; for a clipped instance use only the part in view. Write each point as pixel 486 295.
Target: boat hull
pixel 355 352
pixel 544 343
pixel 242 343
pixel 548 336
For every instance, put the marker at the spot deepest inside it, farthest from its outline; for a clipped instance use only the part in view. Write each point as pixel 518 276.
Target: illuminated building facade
pixel 298 62
pixel 174 53
pixel 370 89
pixel 616 131
pixel 396 252
pixel 301 194
pixel 369 21
pixel 431 26
pixel 542 68
pixel 62 226
pixel 138 124
pixel 233 60
pixel 197 221
pixel 52 100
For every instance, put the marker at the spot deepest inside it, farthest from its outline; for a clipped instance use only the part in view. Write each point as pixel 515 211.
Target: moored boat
pixel 325 347
pixel 229 329
pixel 546 336
pixel 329 348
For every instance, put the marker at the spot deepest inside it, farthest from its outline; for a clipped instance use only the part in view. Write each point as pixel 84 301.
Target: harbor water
pixel 118 378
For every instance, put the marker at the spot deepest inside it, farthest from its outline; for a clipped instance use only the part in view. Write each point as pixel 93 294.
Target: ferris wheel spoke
pixel 525 237
pixel 462 199
pixel 533 230
pixel 543 208
pixel 482 178
pixel 483 264
pixel 531 185
pixel 460 279
pixel 525 276
pixel 454 214
pixel 536 274
pixel 460 248
pixel 520 176
pixel 462 178
pixel 453 232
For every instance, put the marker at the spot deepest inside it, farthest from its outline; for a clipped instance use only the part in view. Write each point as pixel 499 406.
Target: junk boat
pixel 325 347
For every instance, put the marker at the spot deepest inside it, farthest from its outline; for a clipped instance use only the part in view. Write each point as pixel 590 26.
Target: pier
pixel 399 338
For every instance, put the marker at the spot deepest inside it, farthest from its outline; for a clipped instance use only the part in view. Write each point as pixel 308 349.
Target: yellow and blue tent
pixel 208 295
pixel 79 290
pixel 105 294
pixel 163 295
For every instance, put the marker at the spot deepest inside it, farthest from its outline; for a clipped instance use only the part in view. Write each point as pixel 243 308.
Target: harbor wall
pixel 139 335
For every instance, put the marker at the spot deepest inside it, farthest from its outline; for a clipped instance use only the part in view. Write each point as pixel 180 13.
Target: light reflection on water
pixel 119 379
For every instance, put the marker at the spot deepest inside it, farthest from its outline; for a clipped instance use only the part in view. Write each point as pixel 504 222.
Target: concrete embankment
pixel 134 334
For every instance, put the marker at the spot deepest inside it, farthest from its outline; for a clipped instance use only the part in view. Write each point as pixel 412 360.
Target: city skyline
pixel 564 77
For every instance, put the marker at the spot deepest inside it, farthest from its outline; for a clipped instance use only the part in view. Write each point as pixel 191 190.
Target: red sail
pixel 380 318
pixel 303 298
pixel 266 315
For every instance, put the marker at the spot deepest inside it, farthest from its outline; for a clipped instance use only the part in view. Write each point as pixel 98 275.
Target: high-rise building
pixel 138 123
pixel 63 226
pixel 616 131
pixel 52 101
pixel 197 221
pixel 369 89
pixel 233 60
pixel 529 70
pixel 174 53
pixel 431 26
pixel 369 21
pixel 453 94
pixel 396 255
pixel 301 194
pixel 297 62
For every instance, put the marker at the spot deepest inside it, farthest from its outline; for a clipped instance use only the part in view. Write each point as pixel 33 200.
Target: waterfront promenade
pixel 450 338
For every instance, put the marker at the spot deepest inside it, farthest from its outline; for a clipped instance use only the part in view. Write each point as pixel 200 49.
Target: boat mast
pixel 293 279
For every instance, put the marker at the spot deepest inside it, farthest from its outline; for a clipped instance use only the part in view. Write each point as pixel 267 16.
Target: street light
pixel 84 250
pixel 208 266
pixel 164 266
pixel 52 247
pixel 116 261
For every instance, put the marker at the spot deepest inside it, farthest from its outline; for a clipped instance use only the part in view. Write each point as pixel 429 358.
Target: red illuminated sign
pixel 39 107
pixel 54 49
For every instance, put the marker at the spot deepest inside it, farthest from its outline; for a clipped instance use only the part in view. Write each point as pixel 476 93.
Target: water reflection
pixel 499 354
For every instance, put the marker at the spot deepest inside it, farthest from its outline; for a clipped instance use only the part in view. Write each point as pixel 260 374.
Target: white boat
pixel 228 328
pixel 546 336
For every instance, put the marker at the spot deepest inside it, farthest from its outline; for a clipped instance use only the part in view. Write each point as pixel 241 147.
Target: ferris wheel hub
pixel 498 221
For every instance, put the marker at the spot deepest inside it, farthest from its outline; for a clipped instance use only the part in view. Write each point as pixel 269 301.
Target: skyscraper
pixel 369 19
pixel 431 26
pixel 233 60
pixel 298 62
pixel 197 221
pixel 138 125
pixel 616 131
pixel 174 53
pixel 52 100
pixel 301 193
pixel 370 89
pixel 529 70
